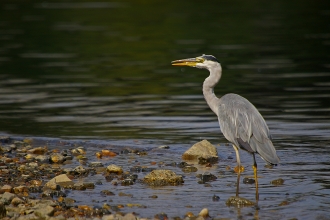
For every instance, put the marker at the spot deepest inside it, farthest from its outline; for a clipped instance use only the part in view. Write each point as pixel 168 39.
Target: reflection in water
pixel 101 71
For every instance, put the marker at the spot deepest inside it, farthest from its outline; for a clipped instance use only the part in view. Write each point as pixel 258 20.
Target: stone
pixel 204 213
pixel 20 189
pixel 112 168
pixel 16 201
pixel 6 188
pixel 57 158
pixel 42 210
pixel 129 216
pixel 162 178
pixel 202 151
pixel 239 202
pixel 62 180
pixel 3 211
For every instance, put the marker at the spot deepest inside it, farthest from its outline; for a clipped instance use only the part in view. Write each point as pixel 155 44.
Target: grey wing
pixel 242 124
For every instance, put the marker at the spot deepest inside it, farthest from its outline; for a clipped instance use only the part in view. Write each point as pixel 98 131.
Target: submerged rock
pixel 163 178
pixel 238 201
pixel 248 181
pixel 189 169
pixel 277 182
pixel 203 151
pixel 206 177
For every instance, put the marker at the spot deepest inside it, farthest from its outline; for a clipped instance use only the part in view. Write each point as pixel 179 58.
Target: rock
pixel 80 169
pixel 215 198
pixel 62 180
pixel 7 197
pixel 56 158
pixel 112 217
pixel 78 151
pixel 204 213
pixel 202 151
pixel 248 181
pixel 277 182
pixel 164 147
pixel 95 164
pixel 16 201
pixel 189 169
pixel 3 211
pixel 239 202
pixel 89 185
pixel 79 186
pixel 112 168
pixel 162 178
pixel 43 210
pixel 6 188
pixel 161 216
pixel 38 150
pixel 127 182
pixel 129 216
pixel 206 177
pixel 42 158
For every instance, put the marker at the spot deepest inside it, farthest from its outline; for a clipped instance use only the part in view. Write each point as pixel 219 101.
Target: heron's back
pixel 242 124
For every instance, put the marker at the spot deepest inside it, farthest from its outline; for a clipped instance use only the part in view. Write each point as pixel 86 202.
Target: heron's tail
pixel 266 150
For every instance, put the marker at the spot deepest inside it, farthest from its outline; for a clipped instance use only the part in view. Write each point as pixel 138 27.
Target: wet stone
pixel 112 168
pixel 137 169
pixel 79 186
pixel 107 193
pixel 78 151
pixel 215 198
pixel 202 149
pixel 132 177
pixel 95 164
pixel 56 158
pixel 42 158
pixel 162 178
pixel 189 169
pixel 277 182
pixel 89 185
pixel 62 180
pixel 127 182
pixel 206 177
pixel 161 216
pixel 248 181
pixel 238 202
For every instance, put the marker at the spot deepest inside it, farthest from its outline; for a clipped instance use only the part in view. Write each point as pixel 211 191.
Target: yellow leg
pixel 239 169
pixel 255 168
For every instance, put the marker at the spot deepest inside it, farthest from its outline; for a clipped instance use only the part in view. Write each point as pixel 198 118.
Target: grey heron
pixel 240 122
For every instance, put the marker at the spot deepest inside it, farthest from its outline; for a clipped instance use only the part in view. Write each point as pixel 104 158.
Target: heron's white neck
pixel 208 87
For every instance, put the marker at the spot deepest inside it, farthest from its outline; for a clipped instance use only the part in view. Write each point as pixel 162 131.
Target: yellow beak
pixel 186 62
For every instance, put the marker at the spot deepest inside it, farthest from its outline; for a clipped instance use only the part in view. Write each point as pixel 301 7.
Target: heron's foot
pixel 239 202
pixel 239 169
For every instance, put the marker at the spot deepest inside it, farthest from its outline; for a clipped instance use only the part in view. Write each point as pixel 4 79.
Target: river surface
pixel 100 72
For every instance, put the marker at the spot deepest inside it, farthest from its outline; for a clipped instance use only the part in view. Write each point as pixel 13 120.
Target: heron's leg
pixel 239 169
pixel 255 176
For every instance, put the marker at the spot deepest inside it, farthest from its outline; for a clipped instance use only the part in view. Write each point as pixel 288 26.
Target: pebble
pixel 112 168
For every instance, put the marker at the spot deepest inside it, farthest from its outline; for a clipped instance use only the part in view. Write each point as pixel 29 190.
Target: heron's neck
pixel 208 88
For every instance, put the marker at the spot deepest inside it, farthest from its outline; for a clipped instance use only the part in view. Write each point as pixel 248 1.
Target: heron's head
pixel 202 62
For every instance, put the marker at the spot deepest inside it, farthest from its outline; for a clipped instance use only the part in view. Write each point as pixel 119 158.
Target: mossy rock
pixel 163 178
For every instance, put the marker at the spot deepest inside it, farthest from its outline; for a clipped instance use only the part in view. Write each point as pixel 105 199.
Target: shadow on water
pixel 100 71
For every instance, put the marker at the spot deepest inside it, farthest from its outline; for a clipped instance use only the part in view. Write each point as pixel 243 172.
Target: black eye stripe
pixel 210 57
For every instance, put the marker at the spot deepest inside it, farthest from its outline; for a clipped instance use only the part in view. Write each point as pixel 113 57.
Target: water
pixel 101 71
